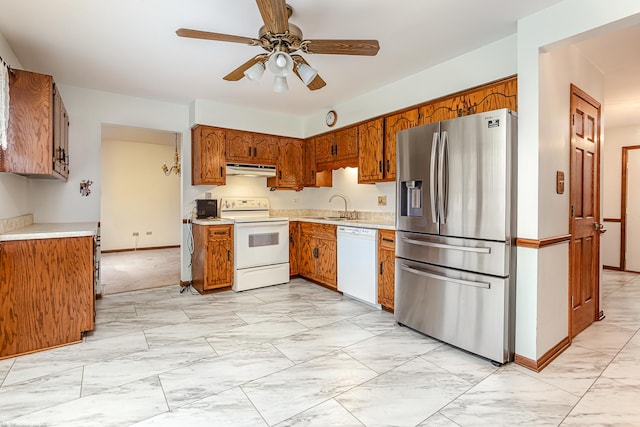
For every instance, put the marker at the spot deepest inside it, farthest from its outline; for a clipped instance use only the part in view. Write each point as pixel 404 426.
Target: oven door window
pixel 264 239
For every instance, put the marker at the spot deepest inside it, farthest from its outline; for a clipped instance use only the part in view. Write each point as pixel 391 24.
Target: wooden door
pixel 309 169
pixel 207 156
pixel 294 248
pixel 326 263
pixel 219 257
pixel 264 149
pixel 325 147
pixel 290 162
pixel 346 143
pixel 631 208
pixel 386 268
pixel 584 247
pixel 393 124
pixel 307 266
pixel 238 146
pixel 371 152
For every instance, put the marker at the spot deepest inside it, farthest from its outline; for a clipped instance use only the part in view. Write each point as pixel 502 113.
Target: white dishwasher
pixel 357 263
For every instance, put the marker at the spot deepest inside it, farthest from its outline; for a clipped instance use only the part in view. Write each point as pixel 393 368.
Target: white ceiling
pixel 130 46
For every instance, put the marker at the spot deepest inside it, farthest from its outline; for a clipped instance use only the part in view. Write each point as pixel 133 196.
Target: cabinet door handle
pixel 381 269
pixel 221 171
pixel 255 151
pixel 228 255
pixel 219 232
pixel 386 239
pixel 313 174
pixel 388 166
pixel 380 165
pixel 249 152
pixel 315 252
pixel 279 174
pixel 290 238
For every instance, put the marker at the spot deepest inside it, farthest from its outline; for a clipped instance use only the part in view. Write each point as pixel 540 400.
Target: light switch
pixel 382 200
pixel 560 182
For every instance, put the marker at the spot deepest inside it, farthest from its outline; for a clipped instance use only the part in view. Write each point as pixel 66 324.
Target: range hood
pixel 251 170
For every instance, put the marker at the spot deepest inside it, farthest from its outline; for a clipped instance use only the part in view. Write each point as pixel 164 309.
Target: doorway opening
pixel 140 217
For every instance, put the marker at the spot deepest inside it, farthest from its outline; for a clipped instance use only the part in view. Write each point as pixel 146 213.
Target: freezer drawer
pixel 462 254
pixel 467 310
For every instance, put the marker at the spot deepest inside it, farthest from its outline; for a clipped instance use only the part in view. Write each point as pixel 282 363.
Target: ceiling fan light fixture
pixel 280 84
pixel 306 73
pixel 255 72
pixel 280 64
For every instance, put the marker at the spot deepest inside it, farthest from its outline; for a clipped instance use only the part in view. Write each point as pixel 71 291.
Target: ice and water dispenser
pixel 411 197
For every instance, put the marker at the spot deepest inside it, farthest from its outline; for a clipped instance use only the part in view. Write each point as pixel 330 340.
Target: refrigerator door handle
pixel 482 285
pixel 432 178
pixel 443 184
pixel 445 246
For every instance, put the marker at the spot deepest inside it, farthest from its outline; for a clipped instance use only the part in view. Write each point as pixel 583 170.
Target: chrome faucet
pixel 346 212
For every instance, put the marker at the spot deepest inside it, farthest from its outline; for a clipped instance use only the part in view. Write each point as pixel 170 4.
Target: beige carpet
pixel 142 269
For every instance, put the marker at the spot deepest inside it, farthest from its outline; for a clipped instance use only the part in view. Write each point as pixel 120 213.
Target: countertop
pixel 52 231
pixel 212 221
pixel 363 223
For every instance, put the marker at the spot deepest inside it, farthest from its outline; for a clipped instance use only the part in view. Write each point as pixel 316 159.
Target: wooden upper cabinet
pixel 38 128
pixel 324 147
pixel 289 165
pixel 371 152
pixel 347 143
pixel 337 149
pixel 393 124
pixel 238 146
pixel 264 149
pixel 249 147
pixel 311 177
pixel 207 156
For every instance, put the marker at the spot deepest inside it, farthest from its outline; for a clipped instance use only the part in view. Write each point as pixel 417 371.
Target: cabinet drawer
pixel 219 232
pixel 387 239
pixel 327 231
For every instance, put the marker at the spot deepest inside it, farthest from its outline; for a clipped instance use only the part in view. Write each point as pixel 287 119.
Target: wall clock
pixel 332 118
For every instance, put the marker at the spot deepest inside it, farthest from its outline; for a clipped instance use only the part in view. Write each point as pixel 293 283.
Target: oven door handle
pixel 262 223
pixel 483 285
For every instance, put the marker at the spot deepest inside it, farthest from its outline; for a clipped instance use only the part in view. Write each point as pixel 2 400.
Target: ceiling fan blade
pixel 196 34
pixel 342 47
pixel 238 73
pixel 274 14
pixel 316 83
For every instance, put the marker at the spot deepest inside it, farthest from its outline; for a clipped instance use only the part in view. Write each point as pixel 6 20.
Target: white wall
pixel 543 150
pixel 14 189
pixel 138 197
pixel 614 140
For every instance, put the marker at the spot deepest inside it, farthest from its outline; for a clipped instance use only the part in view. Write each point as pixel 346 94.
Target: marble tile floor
pixel 300 355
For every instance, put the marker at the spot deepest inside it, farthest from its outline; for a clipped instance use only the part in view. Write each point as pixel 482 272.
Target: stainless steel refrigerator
pixel 456 227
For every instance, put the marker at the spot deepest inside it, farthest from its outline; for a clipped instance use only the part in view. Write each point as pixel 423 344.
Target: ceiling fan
pixel 281 39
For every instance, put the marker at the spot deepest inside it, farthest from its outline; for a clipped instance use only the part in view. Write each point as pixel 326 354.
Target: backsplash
pixel 15 223
pixel 380 217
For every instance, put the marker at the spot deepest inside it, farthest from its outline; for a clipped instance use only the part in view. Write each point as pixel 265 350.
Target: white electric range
pixel 261 243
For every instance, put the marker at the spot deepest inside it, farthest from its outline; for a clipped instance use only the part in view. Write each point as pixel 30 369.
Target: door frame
pixel 575 90
pixel 623 207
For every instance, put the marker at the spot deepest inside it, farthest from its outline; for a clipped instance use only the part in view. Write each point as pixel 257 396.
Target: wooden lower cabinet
pixel 318 253
pixel 212 266
pixel 294 248
pixel 386 267
pixel 46 293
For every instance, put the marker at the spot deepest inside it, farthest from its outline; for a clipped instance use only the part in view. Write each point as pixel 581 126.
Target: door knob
pixel 599 227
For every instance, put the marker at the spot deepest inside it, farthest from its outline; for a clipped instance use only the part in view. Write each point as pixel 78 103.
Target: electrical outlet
pixel 382 200
pixel 149 233
pixel 135 234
